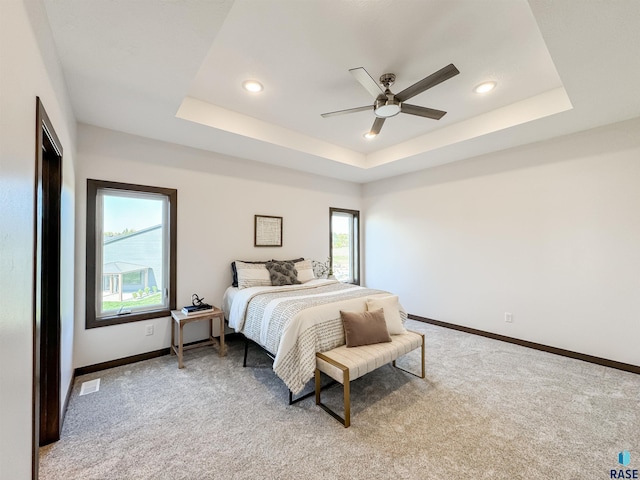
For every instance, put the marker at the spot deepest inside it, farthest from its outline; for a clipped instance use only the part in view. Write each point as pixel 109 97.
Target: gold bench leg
pixel 422 357
pixel 346 421
pixel 317 387
pixel 422 372
pixel 347 399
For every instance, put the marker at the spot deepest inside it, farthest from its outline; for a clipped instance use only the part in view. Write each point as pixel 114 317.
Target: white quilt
pixel 294 322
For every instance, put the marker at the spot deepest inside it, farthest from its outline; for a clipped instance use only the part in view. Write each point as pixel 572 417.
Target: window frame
pixel 355 232
pixel 93 187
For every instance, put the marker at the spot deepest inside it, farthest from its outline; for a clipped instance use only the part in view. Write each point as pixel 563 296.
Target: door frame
pixel 46 422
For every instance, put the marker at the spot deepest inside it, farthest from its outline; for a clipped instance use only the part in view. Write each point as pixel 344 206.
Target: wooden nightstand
pixel 179 318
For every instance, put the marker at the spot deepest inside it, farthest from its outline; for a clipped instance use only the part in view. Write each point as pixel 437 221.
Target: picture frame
pixel 267 231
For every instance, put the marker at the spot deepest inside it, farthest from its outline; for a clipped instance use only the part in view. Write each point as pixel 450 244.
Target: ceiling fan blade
pixel 431 81
pixel 422 111
pixel 377 126
pixel 367 82
pixel 348 110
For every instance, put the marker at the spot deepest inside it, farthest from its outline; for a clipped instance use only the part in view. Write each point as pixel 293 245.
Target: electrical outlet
pixel 148 330
pixel 508 317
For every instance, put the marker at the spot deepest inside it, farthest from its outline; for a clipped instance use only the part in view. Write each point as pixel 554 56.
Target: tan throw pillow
pixel 364 328
pixel 391 307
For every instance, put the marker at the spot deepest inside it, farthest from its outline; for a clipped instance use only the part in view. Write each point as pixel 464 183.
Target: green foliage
pixel 148 300
pixel 340 240
pixel 126 231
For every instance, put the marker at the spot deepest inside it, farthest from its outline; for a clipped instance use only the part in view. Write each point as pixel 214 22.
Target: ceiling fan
pixel 388 104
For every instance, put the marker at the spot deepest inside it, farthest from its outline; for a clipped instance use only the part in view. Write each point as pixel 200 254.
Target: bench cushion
pixel 364 359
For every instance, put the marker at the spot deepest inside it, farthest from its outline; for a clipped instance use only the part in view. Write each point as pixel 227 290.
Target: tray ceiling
pixel 173 70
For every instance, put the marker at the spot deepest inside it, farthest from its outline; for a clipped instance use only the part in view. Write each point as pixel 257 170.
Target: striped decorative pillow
pixel 234 271
pixel 234 283
pixel 252 275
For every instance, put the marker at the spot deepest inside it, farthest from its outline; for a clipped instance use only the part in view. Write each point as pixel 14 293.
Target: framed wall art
pixel 267 231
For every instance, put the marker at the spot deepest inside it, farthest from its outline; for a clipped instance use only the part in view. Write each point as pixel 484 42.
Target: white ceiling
pixel 172 70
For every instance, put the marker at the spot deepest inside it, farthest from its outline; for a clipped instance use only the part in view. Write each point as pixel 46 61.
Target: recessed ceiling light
pixel 369 135
pixel 485 87
pixel 252 86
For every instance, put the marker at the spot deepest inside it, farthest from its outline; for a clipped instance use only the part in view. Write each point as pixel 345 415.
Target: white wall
pixel 549 232
pixel 218 197
pixel 28 68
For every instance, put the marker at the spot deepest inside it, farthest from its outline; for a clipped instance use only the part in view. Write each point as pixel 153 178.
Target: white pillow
pixel 391 307
pixel 252 275
pixel 305 271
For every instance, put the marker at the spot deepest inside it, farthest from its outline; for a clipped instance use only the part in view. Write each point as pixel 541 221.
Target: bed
pixel 293 322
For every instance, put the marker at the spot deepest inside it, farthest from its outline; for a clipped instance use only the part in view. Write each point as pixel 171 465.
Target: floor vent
pixel 90 387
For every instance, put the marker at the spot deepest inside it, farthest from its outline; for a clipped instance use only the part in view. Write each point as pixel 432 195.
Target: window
pixel 345 244
pixel 131 252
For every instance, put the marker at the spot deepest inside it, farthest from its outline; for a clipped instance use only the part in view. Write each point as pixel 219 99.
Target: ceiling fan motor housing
pixel 387 79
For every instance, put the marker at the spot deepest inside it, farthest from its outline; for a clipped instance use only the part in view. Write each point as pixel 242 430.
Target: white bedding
pixel 296 321
pixel 235 300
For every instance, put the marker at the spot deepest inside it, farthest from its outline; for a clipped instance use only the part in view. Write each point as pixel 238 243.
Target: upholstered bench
pixel 345 364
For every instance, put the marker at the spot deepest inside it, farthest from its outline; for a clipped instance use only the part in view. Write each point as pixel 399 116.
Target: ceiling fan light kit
pixel 385 108
pixel 387 104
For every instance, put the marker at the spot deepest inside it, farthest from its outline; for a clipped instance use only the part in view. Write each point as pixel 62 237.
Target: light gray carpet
pixel 487 409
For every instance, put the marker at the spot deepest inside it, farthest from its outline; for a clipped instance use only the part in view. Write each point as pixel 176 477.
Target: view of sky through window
pixel 134 214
